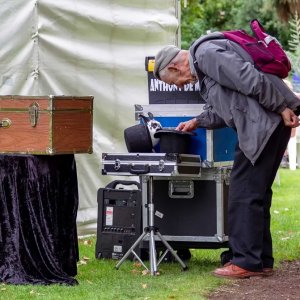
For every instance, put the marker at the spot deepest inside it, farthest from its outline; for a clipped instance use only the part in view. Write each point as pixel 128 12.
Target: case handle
pixel 145 170
pixel 114 183
pixel 181 189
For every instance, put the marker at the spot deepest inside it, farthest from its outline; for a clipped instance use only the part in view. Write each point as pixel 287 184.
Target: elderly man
pixel 262 110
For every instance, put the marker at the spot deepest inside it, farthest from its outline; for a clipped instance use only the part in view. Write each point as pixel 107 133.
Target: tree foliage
pixel 200 16
pixel 294 43
pixel 286 9
pixel 216 15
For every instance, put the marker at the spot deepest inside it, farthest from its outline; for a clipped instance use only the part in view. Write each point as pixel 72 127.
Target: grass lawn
pixel 98 279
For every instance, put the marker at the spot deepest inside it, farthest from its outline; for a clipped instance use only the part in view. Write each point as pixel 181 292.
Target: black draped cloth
pixel 38 209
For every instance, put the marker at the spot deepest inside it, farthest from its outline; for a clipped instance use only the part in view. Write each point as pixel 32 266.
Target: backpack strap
pixel 260 33
pixel 196 44
pixel 200 74
pixel 269 39
pixel 258 30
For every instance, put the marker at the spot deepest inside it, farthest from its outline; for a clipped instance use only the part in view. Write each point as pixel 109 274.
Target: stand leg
pixel 162 257
pixel 152 254
pixel 152 251
pixel 131 250
pixel 184 266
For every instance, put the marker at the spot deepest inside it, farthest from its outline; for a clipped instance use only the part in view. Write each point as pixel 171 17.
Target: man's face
pixel 178 77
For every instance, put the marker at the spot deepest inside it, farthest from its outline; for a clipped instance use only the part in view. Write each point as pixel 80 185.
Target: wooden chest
pixel 46 125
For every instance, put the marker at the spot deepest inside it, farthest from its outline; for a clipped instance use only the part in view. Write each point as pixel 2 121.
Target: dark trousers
pixel 250 196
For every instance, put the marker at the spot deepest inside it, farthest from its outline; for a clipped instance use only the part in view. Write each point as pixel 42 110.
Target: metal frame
pixel 210 150
pixel 168 110
pixel 219 175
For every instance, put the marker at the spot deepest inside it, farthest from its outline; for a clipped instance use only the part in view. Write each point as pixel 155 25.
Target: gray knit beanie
pixel 163 58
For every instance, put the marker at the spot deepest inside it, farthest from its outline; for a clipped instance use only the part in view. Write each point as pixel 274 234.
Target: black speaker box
pixel 119 222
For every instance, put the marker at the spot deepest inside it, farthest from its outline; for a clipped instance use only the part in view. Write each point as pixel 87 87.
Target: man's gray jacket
pixel 237 94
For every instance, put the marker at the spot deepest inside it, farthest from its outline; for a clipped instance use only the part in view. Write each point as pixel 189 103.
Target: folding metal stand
pixel 151 231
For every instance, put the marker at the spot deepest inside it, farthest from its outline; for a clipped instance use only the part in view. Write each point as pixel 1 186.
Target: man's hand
pixel 289 118
pixel 190 125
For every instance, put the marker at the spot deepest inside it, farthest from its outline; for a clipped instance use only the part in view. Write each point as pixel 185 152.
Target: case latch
pixel 5 123
pixel 33 113
pixel 117 165
pixel 161 165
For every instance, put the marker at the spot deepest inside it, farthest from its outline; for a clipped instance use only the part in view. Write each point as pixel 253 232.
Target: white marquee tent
pixel 86 47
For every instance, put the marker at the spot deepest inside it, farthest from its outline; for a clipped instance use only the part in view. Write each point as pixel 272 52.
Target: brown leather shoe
pixel 268 271
pixel 235 272
pixel 228 264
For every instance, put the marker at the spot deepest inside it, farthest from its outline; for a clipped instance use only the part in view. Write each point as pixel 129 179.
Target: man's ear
pixel 173 68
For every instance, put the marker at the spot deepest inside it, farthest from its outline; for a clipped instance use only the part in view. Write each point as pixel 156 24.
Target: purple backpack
pixel 265 50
